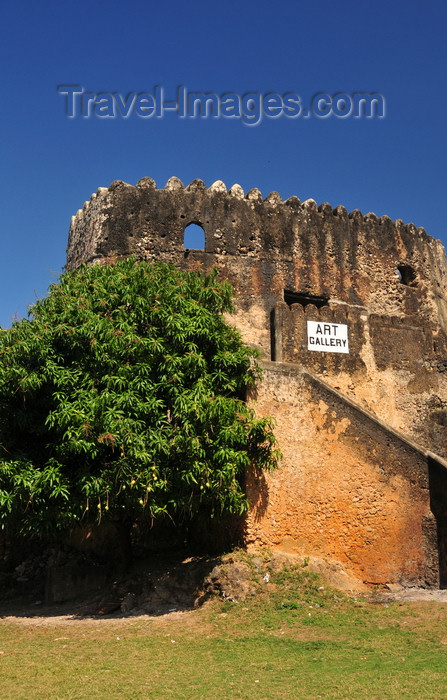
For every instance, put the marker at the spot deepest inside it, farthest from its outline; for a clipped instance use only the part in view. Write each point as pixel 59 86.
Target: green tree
pixel 122 397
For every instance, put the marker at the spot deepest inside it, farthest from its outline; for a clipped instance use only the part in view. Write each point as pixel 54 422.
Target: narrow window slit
pixel 304 299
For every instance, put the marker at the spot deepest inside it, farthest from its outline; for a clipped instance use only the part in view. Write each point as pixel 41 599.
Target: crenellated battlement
pixel 174 184
pixel 268 245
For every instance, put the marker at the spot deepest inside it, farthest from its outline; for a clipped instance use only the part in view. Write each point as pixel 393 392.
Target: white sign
pixel 327 337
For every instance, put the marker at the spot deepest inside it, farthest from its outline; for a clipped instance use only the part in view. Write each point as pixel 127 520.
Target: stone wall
pixel 394 367
pixel 349 488
pixel 357 483
pixel 386 280
pixel 267 246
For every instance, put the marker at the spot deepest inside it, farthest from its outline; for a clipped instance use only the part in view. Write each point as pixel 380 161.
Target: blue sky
pixel 50 164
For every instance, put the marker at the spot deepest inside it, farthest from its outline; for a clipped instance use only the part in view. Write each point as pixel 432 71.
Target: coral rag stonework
pixel 350 315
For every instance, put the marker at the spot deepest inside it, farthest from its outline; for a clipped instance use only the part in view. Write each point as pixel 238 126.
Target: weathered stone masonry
pixel 363 479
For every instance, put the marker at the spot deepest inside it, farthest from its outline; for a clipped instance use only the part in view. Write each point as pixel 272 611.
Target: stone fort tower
pixel 350 314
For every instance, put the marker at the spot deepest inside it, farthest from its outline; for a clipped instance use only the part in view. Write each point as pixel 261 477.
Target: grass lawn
pixel 297 639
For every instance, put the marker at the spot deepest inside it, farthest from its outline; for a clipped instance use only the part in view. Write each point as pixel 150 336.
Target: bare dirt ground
pixel 172 587
pixel 411 595
pixel 164 585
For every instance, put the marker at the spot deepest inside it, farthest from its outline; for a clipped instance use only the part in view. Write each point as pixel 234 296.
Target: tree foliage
pixel 122 396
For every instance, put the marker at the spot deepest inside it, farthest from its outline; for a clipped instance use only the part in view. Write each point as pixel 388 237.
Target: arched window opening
pixel 194 237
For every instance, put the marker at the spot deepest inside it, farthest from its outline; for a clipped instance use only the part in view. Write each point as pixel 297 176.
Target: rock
pixel 231 580
pixel 394 587
pixel 128 602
